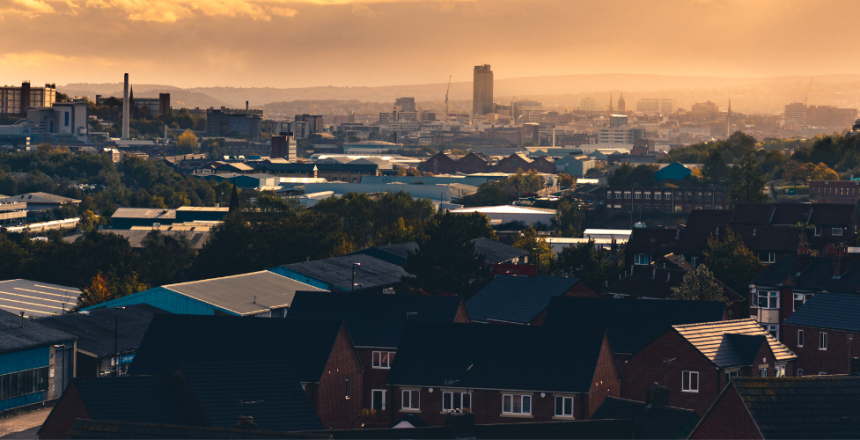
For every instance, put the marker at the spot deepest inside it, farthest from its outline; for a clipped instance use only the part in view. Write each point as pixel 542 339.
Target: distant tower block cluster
pixel 482 91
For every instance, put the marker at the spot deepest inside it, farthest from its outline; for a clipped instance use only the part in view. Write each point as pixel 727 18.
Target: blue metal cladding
pixel 15 402
pixel 25 360
pixel 283 271
pixel 673 171
pixel 164 299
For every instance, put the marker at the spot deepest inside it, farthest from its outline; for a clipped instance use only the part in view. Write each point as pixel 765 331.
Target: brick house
pixel 522 300
pixel 695 361
pixel 834 223
pixel 501 373
pixel 790 407
pixel 376 322
pixel 835 191
pixel 822 333
pixel 321 353
pixel 786 285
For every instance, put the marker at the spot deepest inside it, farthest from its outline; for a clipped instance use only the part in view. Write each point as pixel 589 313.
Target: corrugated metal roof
pixel 31 334
pixel 35 298
pixel 712 339
pixel 150 213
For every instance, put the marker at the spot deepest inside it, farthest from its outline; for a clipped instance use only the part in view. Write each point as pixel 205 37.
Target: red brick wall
pixel 332 406
pixel 69 408
pixel 581 290
pixel 728 418
pixel 834 360
pixel 440 164
pixel 471 164
pixel 462 314
pixel 606 380
pixel 538 320
pixel 374 378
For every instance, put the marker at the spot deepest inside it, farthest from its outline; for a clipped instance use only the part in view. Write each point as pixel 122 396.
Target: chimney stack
pixel 246 105
pixel 125 108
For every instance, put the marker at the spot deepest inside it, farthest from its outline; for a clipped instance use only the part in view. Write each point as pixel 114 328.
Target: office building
pixel 482 91
pixel 588 104
pixel 705 111
pixel 617 120
pixel 284 146
pixel 14 100
pixel 795 113
pixel 620 135
pixel 63 121
pixel 314 123
pixel 428 116
pixel 405 104
pixel 830 116
pixel 228 122
pixel 663 106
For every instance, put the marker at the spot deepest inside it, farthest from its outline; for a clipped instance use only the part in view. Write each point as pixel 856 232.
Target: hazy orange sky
pixel 289 43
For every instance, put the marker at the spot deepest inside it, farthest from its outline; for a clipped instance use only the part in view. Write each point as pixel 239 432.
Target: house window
pixel 690 381
pixel 626 194
pixel 799 300
pixel 773 329
pixel 731 375
pixel 657 196
pixel 516 404
pixel 617 194
pixel 637 195
pixel 346 392
pixel 67 118
pixel 762 372
pixel 693 261
pixel 377 400
pixel 767 257
pixel 718 197
pixel 836 232
pixel 768 300
pixel 641 259
pixel 22 383
pixel 452 401
pixel 822 340
pixel 410 399
pixel 382 359
pixel 800 338
pixel 780 370
pixel 818 231
pixel 647 196
pixel 563 406
pixel 800 372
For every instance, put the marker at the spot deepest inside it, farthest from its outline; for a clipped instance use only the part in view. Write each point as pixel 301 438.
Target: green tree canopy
pixel 700 284
pixel 731 261
pixel 540 253
pixel 163 256
pixel 746 182
pixel 585 261
pixel 568 218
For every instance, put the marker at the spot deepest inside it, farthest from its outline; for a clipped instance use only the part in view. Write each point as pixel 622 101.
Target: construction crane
pixel 446 96
pixel 805 98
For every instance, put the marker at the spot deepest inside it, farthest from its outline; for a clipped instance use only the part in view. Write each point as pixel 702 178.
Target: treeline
pixel 142 123
pixel 504 191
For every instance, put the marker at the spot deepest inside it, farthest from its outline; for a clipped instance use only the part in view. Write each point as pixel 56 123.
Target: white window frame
pixel 647 196
pixel 798 297
pixel 731 374
pixel 637 195
pixel 800 338
pixel 563 399
pixel 513 398
pixel 817 232
pixel 822 341
pixel 799 372
pixel 384 398
pixel 667 196
pixel 833 232
pixel 381 360
pixel 638 259
pixel 780 370
pixel 769 295
pixel 414 400
pixel 770 257
pixel 657 195
pixel 688 375
pixel 626 195
pixel 772 327
pixel 448 400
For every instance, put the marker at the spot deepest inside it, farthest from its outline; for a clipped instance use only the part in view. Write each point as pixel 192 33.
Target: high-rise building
pixel 830 116
pixel 617 120
pixel 705 111
pixel 315 122
pixel 587 105
pixel 14 101
pixel 228 122
pixel 284 146
pixel 622 107
pixel 482 91
pixel 795 113
pixel 428 116
pixel 405 104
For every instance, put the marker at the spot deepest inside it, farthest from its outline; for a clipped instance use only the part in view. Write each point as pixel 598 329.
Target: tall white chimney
pixel 125 109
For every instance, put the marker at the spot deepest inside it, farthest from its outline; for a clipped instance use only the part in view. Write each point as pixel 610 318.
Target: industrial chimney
pixel 125 109
pixel 246 105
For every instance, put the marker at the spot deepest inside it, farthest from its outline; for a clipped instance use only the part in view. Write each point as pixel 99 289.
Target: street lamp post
pixel 116 339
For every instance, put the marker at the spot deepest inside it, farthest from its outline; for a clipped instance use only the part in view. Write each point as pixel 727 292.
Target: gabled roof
pixel 832 214
pixel 632 324
pixel 837 311
pixel 578 429
pixel 267 391
pixel 821 407
pixel 374 319
pixel 98 330
pixel 652 421
pixel 715 341
pixel 648 281
pixel 652 240
pixel 36 298
pixel 791 214
pixel 771 238
pixel 32 334
pixel 816 277
pixel 516 299
pixel 753 213
pixel 104 429
pixel 153 399
pixel 503 357
pixel 307 344
pixel 373 272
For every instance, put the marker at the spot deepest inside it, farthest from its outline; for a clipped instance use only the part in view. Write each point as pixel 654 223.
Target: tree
pixel 568 218
pixel 163 256
pixel 793 172
pixel 700 285
pixel 714 167
pixel 186 143
pixel 565 180
pixel 103 288
pixel 746 182
pixel 823 172
pixel 234 199
pixel 731 261
pixel 585 261
pixel 540 253
pixel 628 175
pixel 268 201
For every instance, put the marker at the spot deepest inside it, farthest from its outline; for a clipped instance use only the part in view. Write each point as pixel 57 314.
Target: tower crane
pixel 805 98
pixel 446 96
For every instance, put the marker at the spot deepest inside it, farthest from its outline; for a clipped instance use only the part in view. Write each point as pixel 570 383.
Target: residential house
pixel 37 299
pixel 320 353
pixel 37 362
pixel 376 323
pixel 501 373
pixel 261 294
pixel 493 252
pixel 653 420
pixel 790 407
pixel 696 361
pixel 350 273
pixel 833 223
pixel 822 332
pixel 107 338
pixel 522 299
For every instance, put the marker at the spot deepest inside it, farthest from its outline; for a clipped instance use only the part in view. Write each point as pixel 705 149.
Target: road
pixel 23 426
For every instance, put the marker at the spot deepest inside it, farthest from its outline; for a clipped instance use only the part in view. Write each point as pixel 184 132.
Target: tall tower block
pixel 125 109
pixel 482 91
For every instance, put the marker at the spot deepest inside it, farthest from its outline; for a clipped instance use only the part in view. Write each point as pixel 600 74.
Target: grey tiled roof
pixel 837 311
pixel 652 421
pixel 14 336
pixel 516 299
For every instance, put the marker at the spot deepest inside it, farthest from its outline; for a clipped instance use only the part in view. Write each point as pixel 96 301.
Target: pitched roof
pixel 791 213
pixel 652 421
pixel 431 353
pixel 579 429
pixel 374 319
pixel 753 213
pixel 837 311
pixel 267 391
pixel 154 399
pixel 493 251
pixel 95 329
pixel 147 213
pixel 715 340
pixel 372 273
pixel 104 429
pixel 36 298
pixel 40 197
pixel 803 407
pixel 31 334
pixel 226 338
pixel 772 238
pixel 516 299
pixel 648 281
pixel 631 324
pixel 817 276
pixel 652 240
pixel 832 214
pixel 135 237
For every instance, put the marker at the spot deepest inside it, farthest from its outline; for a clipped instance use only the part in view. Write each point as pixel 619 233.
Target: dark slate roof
pixel 827 214
pixel 652 421
pixel 632 324
pixel 374 319
pixel 267 391
pixel 708 220
pixel 818 276
pixel 227 338
pixel 753 213
pixel 502 357
pixel 493 251
pixel 95 329
pixel 791 213
pixel 516 299
pixel 373 273
pixel 770 238
pixel 648 281
pixel 832 214
pixel 103 429
pixel 652 240
pixel 837 311
pixel 579 429
pixel 32 334
pixel 820 407
pixel 849 282
pixel 146 399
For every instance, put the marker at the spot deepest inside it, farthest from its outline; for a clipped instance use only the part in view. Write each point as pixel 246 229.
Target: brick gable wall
pixel 63 416
pixel 462 314
pixel 331 404
pixel 606 380
pixel 834 360
pixel 728 418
